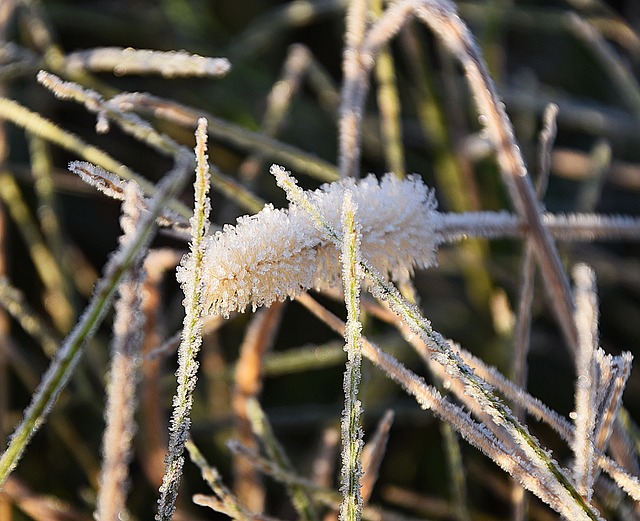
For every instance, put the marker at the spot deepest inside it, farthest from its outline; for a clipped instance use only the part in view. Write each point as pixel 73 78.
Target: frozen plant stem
pixel 351 111
pixel 224 501
pixel 123 374
pixel 566 499
pixel 351 507
pixel 586 406
pixel 190 277
pixel 169 64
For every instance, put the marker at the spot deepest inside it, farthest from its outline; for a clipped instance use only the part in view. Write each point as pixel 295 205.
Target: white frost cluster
pixel 278 254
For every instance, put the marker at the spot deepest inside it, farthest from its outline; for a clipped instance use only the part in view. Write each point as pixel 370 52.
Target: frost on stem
pixel 125 61
pixel 279 253
pixel 190 277
pixel 124 373
pixel 113 186
pixel 351 506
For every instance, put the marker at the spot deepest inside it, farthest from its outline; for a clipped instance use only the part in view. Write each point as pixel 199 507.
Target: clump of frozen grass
pixel 70 351
pixel 312 262
pixel 544 476
pixel 277 254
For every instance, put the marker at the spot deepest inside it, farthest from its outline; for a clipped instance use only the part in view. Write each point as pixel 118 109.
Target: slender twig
pixel 123 61
pixel 571 227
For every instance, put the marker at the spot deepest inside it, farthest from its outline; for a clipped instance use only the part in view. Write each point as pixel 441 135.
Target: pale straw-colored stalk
pixel 125 61
pixel 587 383
pixel 350 110
pixel 123 376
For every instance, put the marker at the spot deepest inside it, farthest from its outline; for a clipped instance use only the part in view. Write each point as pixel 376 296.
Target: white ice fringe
pixel 279 253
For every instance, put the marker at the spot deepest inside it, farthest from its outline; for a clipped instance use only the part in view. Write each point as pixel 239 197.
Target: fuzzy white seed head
pixel 278 254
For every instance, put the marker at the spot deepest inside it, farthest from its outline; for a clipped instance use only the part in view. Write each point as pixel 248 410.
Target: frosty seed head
pixel 279 253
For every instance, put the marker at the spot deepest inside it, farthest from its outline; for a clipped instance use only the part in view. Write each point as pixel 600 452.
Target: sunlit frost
pixel 279 253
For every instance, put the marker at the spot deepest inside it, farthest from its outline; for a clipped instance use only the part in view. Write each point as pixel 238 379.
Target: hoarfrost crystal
pixel 279 253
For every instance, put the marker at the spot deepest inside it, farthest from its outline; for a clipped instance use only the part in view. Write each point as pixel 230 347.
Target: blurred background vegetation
pixel 539 51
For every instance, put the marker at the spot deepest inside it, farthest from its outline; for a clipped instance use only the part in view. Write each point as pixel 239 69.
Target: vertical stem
pixel 191 279
pixel 354 89
pixel 351 507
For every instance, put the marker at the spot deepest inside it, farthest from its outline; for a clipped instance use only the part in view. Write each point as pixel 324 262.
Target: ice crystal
pixel 279 253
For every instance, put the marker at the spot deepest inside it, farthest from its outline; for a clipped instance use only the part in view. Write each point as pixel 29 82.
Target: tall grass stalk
pixel 186 375
pixel 123 375
pixel 351 507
